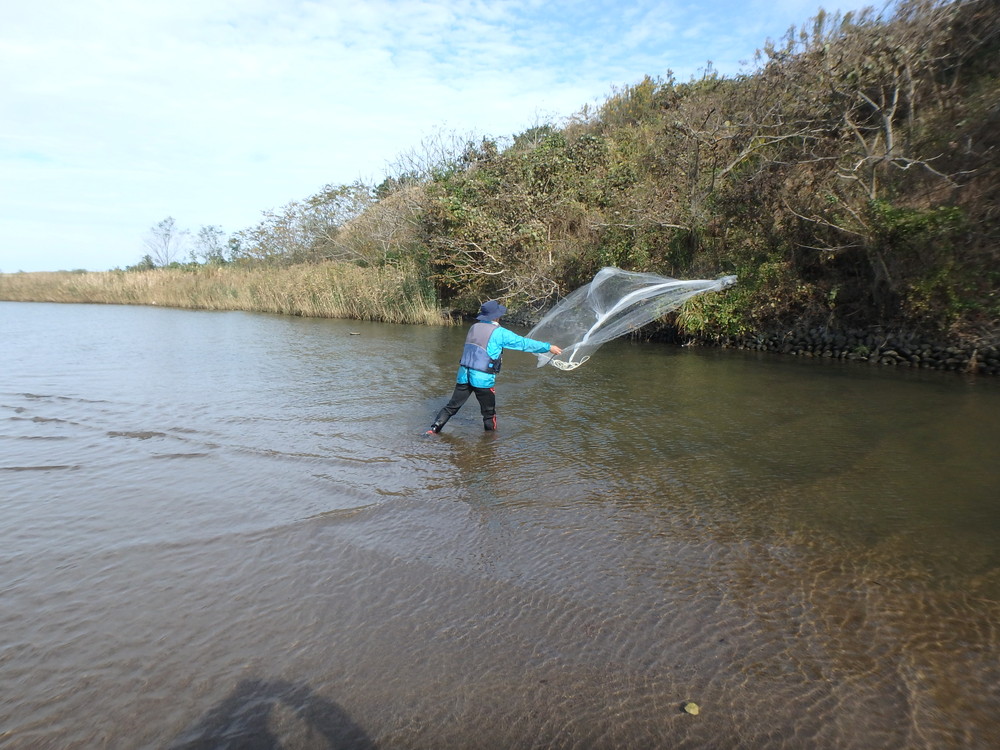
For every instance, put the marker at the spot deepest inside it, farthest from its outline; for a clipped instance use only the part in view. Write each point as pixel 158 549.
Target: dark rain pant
pixel 487 398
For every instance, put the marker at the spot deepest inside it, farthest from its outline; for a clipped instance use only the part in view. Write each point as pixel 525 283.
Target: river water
pixel 227 530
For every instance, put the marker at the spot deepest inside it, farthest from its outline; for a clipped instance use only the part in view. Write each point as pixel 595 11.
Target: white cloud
pixel 118 113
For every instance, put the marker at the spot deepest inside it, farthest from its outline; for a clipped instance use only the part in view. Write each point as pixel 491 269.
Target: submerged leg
pixel 487 398
pixel 459 397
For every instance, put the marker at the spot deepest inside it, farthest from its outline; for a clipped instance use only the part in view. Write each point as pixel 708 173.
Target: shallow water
pixel 218 527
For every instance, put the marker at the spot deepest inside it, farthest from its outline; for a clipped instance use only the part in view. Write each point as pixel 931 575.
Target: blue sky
pixel 117 113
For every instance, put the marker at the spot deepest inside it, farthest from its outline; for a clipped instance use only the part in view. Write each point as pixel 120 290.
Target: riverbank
pixel 874 346
pixel 389 294
pixel 398 295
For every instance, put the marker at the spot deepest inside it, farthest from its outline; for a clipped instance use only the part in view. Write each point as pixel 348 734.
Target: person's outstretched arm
pixel 510 340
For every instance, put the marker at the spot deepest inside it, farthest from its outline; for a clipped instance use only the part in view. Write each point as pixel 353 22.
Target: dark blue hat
pixel 491 310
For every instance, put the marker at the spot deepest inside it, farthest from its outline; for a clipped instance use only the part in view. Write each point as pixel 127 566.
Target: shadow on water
pixel 273 715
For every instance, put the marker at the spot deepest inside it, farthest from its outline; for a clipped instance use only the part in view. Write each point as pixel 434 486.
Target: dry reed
pixel 329 290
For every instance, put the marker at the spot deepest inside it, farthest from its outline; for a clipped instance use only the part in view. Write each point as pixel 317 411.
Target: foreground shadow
pixel 244 721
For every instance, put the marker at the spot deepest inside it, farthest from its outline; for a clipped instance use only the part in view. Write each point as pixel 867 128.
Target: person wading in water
pixel 480 363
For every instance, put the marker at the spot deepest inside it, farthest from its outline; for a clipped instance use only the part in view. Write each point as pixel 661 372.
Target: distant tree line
pixel 850 179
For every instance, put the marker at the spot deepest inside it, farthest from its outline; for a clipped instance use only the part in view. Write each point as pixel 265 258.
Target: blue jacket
pixel 500 339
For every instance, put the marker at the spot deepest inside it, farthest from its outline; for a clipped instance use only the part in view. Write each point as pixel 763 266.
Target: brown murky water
pixel 225 530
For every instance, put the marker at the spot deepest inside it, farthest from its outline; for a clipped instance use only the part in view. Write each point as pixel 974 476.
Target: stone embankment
pixel 874 348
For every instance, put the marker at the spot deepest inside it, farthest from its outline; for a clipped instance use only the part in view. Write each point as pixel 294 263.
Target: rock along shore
pixel 874 347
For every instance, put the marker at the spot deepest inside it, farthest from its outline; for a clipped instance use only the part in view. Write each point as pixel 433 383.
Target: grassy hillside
pixel 851 180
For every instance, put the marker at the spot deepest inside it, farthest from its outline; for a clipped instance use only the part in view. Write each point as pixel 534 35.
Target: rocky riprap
pixel 873 347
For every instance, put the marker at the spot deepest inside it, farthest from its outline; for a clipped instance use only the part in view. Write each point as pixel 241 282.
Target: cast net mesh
pixel 614 304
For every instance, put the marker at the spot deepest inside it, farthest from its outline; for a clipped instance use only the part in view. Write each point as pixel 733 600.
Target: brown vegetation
pixel 326 290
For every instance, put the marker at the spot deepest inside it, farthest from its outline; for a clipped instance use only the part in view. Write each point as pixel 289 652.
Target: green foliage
pixel 146 264
pixel 908 228
pixel 210 246
pixel 951 297
pixel 715 315
pixel 307 231
pixel 630 105
pixel 938 286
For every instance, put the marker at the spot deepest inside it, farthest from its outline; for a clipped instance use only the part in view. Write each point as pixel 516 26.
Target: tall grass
pixel 329 290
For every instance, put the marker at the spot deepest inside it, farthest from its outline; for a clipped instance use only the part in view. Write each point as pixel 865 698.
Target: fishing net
pixel 614 304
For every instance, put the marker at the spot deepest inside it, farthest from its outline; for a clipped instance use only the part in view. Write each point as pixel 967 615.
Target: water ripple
pixel 224 525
